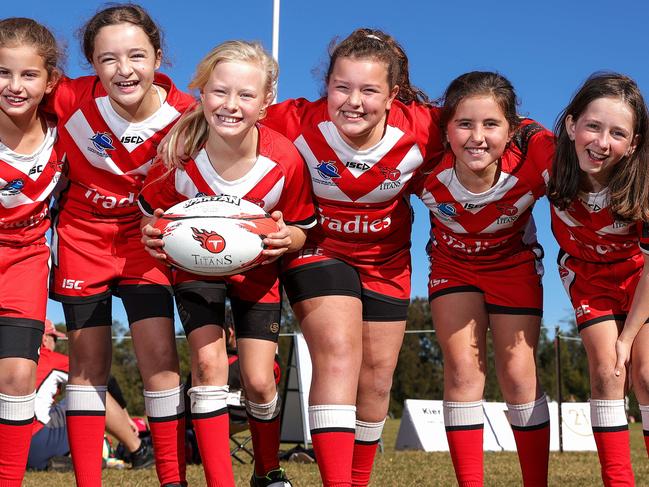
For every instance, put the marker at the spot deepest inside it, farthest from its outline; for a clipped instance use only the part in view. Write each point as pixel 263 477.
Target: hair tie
pixel 372 36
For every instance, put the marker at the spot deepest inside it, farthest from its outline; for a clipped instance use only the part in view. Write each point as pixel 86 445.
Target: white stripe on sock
pixel 332 416
pixel 207 399
pixel 17 408
pixel 607 413
pixel 463 413
pixel 369 432
pixel 529 414
pixel 163 404
pixel 85 398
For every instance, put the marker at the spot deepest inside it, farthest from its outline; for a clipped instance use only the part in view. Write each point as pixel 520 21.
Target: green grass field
pixel 394 468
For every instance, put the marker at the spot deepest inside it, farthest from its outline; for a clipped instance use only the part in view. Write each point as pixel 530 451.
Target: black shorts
pixel 17 341
pixel 202 303
pixel 140 302
pixel 337 278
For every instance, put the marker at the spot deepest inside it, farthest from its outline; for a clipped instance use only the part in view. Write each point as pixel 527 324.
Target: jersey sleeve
pixel 286 117
pixel 296 201
pixel 158 190
pixel 540 154
pixel 427 132
pixel 643 229
pixel 67 95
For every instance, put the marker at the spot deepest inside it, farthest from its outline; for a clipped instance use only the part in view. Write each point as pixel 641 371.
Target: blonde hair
pixel 192 129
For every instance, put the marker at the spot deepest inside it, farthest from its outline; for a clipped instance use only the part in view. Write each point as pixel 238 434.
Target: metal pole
pixel 557 361
pixel 276 36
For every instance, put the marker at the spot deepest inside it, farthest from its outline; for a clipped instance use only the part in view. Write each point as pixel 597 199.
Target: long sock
pixel 644 410
pixel 212 427
pixel 165 411
pixel 611 432
pixel 464 423
pixel 366 442
pixel 264 426
pixel 86 421
pixel 332 432
pixel 16 420
pixel 531 426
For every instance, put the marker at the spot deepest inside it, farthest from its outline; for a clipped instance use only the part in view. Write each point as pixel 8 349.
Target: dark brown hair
pixel 480 83
pixel 127 13
pixel 16 31
pixel 377 45
pixel 628 186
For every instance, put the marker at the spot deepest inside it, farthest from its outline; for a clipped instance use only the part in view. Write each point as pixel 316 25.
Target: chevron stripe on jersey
pixel 341 173
pixel 498 221
pixel 26 182
pixel 109 156
pixel 277 181
pixel 262 185
pixel 588 230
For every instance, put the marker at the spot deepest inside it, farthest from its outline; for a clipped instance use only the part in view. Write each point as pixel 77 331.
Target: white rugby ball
pixel 215 235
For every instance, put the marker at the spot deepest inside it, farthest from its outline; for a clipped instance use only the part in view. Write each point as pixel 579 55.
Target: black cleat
pixel 142 457
pixel 274 478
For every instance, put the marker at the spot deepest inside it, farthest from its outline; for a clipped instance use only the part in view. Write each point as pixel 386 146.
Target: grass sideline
pixel 394 468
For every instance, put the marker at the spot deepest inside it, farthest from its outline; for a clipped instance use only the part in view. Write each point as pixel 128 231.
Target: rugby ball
pixel 215 235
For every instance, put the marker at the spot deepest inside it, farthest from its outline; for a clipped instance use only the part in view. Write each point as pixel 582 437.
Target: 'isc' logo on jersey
pixel 363 166
pixel 102 142
pixel 131 139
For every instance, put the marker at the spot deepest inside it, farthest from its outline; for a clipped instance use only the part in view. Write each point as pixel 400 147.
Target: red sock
pixel 212 427
pixel 530 424
pixel 213 438
pixel 168 436
pixel 86 439
pixel 615 457
pixel 332 434
pixel 86 421
pixel 611 432
pixel 533 447
pixel 14 447
pixel 366 442
pixel 465 446
pixel 16 421
pixel 165 411
pixel 265 443
pixel 464 423
pixel 363 461
pixel 646 440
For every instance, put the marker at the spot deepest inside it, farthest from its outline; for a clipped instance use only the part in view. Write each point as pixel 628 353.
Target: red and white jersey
pixel 51 374
pixel 26 182
pixel 497 222
pixel 277 181
pixel 108 157
pixel 588 230
pixel 362 196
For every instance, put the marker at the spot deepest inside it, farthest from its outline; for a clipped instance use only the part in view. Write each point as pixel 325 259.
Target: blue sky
pixel 545 48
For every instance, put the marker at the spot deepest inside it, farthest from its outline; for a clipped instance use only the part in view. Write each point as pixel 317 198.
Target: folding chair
pixel 240 441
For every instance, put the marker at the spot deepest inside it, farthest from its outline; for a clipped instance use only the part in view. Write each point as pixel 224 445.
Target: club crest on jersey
pixel 446 210
pixel 13 187
pixel 102 142
pixel 328 170
pixel 389 173
pixel 507 210
pixel 210 241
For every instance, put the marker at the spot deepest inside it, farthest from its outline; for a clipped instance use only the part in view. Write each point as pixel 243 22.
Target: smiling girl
pixel 350 284
pixel 599 191
pixel 485 268
pixel 232 154
pixel 110 125
pixel 30 166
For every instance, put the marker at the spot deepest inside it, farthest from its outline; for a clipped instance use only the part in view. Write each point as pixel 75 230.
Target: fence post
pixel 557 361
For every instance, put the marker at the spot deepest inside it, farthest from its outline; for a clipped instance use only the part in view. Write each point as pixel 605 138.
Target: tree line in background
pixel 419 373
